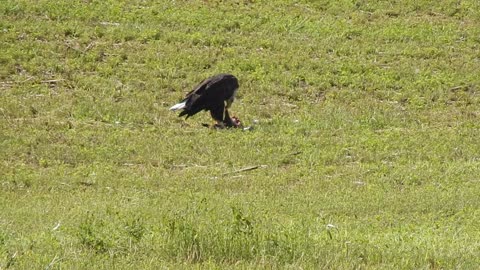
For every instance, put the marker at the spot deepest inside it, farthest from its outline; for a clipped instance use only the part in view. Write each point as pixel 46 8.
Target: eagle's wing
pixel 216 111
pixel 200 88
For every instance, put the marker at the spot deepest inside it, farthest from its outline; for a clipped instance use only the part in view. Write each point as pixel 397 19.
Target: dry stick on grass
pixel 87 48
pixel 250 168
pixel 13 82
pixel 52 81
pixel 457 87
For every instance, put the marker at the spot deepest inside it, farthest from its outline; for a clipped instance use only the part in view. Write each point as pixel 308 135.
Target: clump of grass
pixel 239 237
pixel 112 234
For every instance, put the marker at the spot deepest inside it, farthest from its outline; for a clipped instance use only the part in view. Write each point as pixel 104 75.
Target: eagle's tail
pixel 178 106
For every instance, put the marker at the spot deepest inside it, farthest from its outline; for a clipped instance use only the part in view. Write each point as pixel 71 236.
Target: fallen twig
pixel 110 23
pixel 13 82
pixel 250 168
pixel 52 81
pixel 89 46
pixel 457 87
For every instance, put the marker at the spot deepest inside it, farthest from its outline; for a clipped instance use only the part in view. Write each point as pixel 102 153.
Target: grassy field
pixel 365 141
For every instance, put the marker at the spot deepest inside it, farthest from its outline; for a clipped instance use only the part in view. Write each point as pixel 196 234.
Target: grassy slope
pixel 367 126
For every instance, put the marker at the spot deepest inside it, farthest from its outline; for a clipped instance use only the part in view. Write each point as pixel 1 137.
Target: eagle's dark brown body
pixel 214 94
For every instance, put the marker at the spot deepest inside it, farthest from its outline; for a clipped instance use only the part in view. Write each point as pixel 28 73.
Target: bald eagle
pixel 215 94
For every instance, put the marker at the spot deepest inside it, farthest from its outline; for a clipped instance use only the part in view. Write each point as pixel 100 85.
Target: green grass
pixel 366 127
